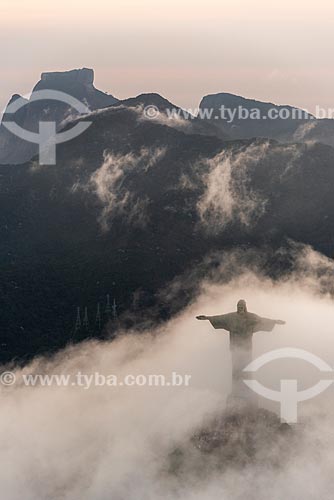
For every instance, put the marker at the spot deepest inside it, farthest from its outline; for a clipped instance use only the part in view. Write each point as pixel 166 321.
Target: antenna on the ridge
pixel 98 319
pixel 86 320
pixel 78 320
pixel 108 308
pixel 114 309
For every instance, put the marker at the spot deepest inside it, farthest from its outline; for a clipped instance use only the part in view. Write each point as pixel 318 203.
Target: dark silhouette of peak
pixel 84 76
pixel 14 98
pixel 150 99
pixel 19 115
pixel 228 99
pixel 236 116
pixel 236 99
pixel 172 115
pixel 78 83
pixel 290 124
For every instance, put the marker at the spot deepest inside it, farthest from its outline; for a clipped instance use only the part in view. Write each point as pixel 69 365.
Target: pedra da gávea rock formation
pixel 77 83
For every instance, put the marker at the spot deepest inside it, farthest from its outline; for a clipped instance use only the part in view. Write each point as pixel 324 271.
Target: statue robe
pixel 241 328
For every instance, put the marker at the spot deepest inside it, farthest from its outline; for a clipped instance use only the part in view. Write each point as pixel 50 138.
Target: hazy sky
pixel 272 50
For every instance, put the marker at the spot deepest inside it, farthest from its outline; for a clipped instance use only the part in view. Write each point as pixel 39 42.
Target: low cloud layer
pixel 231 194
pixel 228 195
pixel 108 184
pixel 114 442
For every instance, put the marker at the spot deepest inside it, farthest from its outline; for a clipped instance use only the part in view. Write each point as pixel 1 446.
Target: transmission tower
pixel 86 320
pixel 78 320
pixel 114 309
pixel 98 319
pixel 108 307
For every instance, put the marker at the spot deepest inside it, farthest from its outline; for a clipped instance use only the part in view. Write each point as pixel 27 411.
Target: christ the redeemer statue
pixel 241 325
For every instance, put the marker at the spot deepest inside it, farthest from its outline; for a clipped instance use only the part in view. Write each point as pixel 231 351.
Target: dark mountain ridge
pixel 131 205
pixel 287 124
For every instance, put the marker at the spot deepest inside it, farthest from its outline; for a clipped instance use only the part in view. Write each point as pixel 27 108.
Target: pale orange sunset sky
pixel 271 50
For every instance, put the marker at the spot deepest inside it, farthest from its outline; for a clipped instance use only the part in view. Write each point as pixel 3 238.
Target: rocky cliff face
pixel 76 83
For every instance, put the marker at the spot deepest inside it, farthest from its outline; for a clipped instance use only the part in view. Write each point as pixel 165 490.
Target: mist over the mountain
pixel 166 250
pixel 135 202
pixel 119 442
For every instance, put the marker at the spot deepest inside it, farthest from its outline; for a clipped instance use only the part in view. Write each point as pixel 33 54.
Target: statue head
pixel 241 306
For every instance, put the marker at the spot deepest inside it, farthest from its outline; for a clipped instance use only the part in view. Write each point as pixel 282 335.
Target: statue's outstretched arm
pixel 266 324
pixel 218 322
